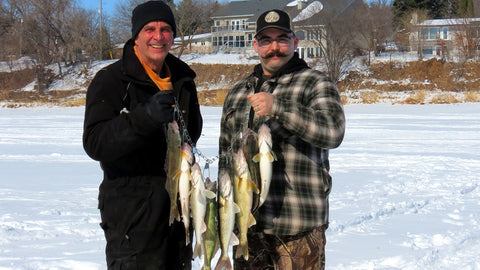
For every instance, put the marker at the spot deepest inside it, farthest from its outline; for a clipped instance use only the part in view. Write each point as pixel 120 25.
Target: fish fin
pixel 210 185
pixel 209 194
pixel 251 220
pixel 234 240
pixel 221 203
pixel 224 263
pixel 262 200
pixel 236 208
pixel 203 228
pixel 271 157
pixel 254 187
pixel 256 158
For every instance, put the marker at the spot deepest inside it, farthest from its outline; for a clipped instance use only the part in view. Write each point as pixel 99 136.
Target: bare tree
pixel 10 30
pixel 82 43
pixel 207 8
pixel 414 30
pixel 374 25
pixel 467 37
pixel 188 18
pixel 52 31
pixel 333 34
pixel 122 20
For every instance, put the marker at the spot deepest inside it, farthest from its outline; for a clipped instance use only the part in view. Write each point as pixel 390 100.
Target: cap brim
pixel 273 26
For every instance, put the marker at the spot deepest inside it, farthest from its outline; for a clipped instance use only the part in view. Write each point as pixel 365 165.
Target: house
pixel 446 37
pixel 200 43
pixel 234 24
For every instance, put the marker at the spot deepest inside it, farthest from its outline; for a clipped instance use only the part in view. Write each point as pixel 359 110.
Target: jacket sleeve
pixel 108 133
pixel 317 117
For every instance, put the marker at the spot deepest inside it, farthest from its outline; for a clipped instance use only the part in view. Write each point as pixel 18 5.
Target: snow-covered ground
pixel 77 76
pixel 406 189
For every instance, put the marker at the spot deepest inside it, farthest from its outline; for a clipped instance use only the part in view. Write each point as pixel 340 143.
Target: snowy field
pixel 406 189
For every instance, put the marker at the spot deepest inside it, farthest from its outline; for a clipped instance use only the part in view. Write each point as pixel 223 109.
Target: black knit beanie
pixel 152 11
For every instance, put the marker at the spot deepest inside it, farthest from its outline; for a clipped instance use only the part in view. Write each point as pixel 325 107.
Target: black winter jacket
pixel 117 130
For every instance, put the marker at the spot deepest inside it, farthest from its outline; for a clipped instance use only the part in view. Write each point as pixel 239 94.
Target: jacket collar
pixel 133 68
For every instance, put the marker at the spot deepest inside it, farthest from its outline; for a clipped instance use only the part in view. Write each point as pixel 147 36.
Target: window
pixel 235 25
pixel 434 33
pixel 427 50
pixel 431 33
pixel 310 52
pixel 314 35
pixel 300 35
pixel 250 40
pixel 241 41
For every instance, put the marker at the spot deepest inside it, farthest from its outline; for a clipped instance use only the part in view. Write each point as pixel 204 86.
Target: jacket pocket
pixel 124 204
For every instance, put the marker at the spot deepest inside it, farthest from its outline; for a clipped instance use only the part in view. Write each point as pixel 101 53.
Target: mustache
pixel 275 53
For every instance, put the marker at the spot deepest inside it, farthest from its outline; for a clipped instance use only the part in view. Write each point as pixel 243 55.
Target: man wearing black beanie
pixel 129 105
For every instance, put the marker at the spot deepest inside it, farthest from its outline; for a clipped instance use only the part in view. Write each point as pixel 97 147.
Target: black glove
pixel 160 107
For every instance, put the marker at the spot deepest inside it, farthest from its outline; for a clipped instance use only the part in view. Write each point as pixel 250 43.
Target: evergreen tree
pixel 466 9
pixel 437 9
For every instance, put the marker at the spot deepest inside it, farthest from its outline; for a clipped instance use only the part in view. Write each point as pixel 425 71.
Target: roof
pixel 197 37
pixel 314 12
pixel 446 22
pixel 253 8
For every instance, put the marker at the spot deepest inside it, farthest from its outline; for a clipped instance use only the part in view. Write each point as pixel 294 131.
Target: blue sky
pixel 108 6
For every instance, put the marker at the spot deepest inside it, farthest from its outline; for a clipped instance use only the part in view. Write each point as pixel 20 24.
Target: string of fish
pixel 177 114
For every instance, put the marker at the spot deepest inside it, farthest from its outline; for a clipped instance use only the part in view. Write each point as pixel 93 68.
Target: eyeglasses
pixel 281 41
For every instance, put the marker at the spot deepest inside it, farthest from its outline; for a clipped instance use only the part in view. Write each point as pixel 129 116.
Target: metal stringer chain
pixel 181 121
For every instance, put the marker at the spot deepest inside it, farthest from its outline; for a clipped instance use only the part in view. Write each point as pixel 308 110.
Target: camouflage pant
pixel 305 251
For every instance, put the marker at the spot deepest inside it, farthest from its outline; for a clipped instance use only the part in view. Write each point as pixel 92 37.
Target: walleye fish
pixel 227 210
pixel 184 187
pixel 210 237
pixel 265 158
pixel 198 204
pixel 172 167
pixel 250 149
pixel 243 190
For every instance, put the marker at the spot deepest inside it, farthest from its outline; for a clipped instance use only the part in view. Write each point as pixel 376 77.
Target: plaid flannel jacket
pixel 307 119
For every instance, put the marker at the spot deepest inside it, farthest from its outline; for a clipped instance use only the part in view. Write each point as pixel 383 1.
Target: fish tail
pixel 197 251
pixel 242 250
pixel 224 263
pixel 174 214
pixel 187 236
